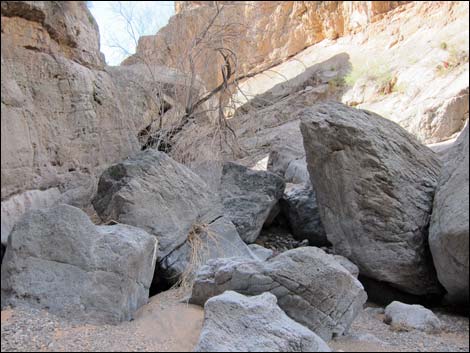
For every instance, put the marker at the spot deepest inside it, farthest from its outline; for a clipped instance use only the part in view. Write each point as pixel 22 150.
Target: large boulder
pixel 449 231
pixel 154 192
pixel 411 317
pixel 218 239
pixel 58 260
pixel 13 208
pixel 236 323
pixel 248 197
pixel 311 287
pixel 299 205
pixel 375 186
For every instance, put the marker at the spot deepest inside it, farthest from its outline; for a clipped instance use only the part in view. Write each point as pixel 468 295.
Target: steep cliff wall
pixel 411 66
pixel 261 33
pixel 64 115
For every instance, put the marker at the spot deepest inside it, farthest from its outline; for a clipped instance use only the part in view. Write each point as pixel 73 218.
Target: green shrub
pixel 377 71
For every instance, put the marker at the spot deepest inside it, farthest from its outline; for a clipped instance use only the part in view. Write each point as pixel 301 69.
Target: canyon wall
pixel 65 116
pixel 261 33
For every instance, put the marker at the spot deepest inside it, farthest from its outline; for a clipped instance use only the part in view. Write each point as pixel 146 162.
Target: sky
pixel 121 24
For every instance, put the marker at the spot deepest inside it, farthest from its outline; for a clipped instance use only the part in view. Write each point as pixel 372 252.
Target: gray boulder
pixel 299 205
pixel 248 197
pixel 261 252
pixel 297 172
pixel 58 260
pixel 449 231
pixel 236 323
pixel 216 240
pixel 411 317
pixel 288 161
pixel 375 186
pixel 347 264
pixel 311 287
pixel 282 155
pixel 154 192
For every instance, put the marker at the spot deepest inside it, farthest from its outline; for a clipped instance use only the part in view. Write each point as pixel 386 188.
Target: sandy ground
pixel 163 325
pixel 168 325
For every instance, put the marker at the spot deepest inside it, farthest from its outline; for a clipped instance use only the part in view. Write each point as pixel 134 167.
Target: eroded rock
pixel 248 197
pixel 299 205
pixel 275 32
pixel 65 115
pixel 375 186
pixel 449 231
pixel 347 264
pixel 236 323
pixel 411 317
pixel 154 192
pixel 311 287
pixel 261 252
pixel 58 260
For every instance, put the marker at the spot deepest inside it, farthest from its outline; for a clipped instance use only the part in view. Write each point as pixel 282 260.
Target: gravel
pixel 168 324
pixel 369 333
pixel 278 239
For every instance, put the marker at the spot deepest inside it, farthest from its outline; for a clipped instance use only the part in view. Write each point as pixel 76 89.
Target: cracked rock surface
pixel 236 323
pixel 311 287
pixel 375 186
pixel 152 191
pixel 58 260
pixel 248 197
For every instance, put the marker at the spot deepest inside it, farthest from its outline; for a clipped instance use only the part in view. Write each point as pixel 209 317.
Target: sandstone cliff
pixel 261 33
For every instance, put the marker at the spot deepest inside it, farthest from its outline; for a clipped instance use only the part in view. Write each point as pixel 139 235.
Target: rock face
pixel 411 317
pixel 263 36
pixel 235 323
pixel 59 102
pixel 286 161
pixel 439 121
pixel 58 260
pixel 429 102
pixel 261 252
pixel 248 197
pixel 449 231
pixel 154 192
pixel 2 252
pixel 299 205
pixel 218 239
pixel 375 185
pixel 69 27
pixel 14 208
pixel 301 279
pixel 348 265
